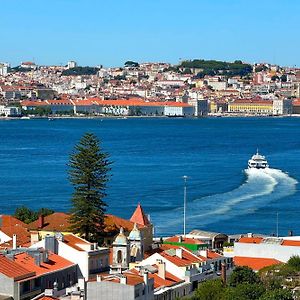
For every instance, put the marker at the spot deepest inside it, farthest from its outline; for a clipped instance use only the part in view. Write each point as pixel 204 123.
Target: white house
pixel 90 258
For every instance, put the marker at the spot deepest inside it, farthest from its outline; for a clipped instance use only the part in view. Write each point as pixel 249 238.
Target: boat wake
pixel 262 186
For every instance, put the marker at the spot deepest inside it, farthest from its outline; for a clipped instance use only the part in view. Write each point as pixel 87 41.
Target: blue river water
pixel 150 156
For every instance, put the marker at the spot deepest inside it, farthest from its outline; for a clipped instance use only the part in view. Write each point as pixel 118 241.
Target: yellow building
pixel 255 107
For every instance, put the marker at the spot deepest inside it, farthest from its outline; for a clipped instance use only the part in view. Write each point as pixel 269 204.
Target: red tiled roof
pixel 75 242
pixel 169 280
pixel 187 258
pixel 57 221
pixel 13 270
pixel 255 263
pixel 55 263
pixel 291 243
pixel 250 240
pixel 139 216
pixel 10 225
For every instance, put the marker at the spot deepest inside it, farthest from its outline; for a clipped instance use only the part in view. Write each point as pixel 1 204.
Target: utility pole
pixel 277 225
pixel 184 204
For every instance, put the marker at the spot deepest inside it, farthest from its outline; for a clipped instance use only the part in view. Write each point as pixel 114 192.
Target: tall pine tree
pixel 88 173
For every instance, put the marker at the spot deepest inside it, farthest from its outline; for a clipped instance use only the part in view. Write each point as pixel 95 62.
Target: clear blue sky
pixel 110 32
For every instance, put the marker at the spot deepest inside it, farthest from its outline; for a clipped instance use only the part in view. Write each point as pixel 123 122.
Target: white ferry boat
pixel 257 161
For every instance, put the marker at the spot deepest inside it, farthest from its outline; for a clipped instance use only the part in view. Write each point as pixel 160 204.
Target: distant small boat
pixel 50 119
pixel 25 118
pixel 257 161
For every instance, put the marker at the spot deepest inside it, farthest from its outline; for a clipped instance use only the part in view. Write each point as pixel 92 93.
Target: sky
pixel 94 32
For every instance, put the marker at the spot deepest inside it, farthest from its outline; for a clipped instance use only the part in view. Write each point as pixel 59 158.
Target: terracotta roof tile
pixel 291 243
pixel 75 242
pixel 250 240
pixel 254 262
pixel 139 216
pixel 55 263
pixel 13 270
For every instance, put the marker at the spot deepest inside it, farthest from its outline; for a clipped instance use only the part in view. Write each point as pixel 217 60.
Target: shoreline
pixel 51 118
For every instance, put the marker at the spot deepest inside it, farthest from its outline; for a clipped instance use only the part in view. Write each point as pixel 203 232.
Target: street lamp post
pixel 184 204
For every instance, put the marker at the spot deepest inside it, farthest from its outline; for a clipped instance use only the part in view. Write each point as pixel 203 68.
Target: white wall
pixel 282 253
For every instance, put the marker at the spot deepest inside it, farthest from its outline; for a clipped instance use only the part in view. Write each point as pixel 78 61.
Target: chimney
pixel 123 279
pixel 34 237
pixel 161 269
pixel 14 241
pixel 203 253
pixel 179 252
pixel 290 233
pixel 37 259
pixel 223 272
pixel 180 239
pixel 41 221
pixel 51 244
pixel 146 278
pixel 99 278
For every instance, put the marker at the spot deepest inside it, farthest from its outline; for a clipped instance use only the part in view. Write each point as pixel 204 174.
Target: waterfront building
pixel 10 111
pixel 251 106
pixel 282 106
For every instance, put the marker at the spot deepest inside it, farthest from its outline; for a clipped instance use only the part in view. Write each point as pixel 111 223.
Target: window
pixel 119 256
pixel 37 282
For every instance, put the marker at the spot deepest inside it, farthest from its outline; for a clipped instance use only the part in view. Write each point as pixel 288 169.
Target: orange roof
pixel 139 216
pixel 187 258
pixel 250 240
pixel 13 270
pixel 75 242
pixel 169 280
pixel 255 263
pixel 212 254
pixel 113 223
pixel 10 225
pixel 175 239
pixel 291 243
pixel 33 103
pixel 55 263
pixel 57 221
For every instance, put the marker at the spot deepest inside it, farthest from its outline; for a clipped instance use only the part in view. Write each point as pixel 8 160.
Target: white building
pixel 281 248
pixel 90 258
pixel 3 70
pixel 282 107
pixel 10 111
pixel 72 64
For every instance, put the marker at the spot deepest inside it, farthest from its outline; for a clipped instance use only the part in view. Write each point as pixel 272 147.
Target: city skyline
pixel 110 34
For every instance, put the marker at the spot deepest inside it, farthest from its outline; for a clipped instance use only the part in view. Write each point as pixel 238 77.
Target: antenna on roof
pixel 184 203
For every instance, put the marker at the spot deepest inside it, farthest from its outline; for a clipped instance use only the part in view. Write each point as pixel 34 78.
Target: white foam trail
pixel 261 187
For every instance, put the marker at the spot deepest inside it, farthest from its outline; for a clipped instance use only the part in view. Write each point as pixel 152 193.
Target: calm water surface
pixel 150 156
